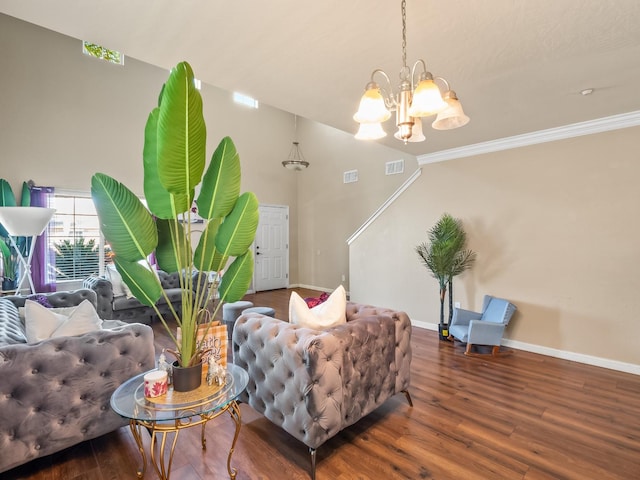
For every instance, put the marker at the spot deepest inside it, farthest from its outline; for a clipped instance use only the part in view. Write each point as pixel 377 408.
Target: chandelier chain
pixel 404 34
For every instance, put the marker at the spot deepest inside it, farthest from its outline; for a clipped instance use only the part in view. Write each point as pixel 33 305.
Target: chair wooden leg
pixel 468 349
pixel 406 394
pixel 495 350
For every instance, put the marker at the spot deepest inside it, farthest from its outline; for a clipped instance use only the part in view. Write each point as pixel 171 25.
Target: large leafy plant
pixel 174 163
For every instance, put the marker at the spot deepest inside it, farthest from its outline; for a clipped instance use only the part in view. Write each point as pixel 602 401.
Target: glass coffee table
pixel 174 411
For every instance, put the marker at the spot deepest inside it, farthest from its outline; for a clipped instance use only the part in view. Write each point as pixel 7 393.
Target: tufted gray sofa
pixel 55 393
pixel 130 309
pixel 314 383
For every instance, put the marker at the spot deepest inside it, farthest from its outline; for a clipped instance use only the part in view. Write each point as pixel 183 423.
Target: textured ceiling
pixel 517 65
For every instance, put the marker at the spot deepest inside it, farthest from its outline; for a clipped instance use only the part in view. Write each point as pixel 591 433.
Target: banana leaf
pixel 221 182
pixel 144 284
pixel 181 135
pixel 125 222
pixel 238 230
pixel 237 278
pixel 161 203
pixel 173 252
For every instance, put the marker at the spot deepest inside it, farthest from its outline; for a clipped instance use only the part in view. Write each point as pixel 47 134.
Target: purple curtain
pixel 44 259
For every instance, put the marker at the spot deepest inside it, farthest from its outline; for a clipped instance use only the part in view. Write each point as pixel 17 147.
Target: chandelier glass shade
pixel 415 99
pixel 295 160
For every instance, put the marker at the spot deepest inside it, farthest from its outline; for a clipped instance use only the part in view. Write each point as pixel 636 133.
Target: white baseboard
pixel 553 352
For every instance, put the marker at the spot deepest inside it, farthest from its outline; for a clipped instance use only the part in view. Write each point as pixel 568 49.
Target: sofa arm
pixel 104 293
pixel 56 393
pixel 294 376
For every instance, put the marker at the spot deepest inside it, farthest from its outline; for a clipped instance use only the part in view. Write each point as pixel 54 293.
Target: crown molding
pixel 614 122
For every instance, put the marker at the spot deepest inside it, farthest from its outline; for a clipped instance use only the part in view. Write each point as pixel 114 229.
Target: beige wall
pixel 65 116
pixel 331 211
pixel 556 230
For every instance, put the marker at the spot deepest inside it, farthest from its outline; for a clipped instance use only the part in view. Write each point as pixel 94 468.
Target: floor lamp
pixel 25 222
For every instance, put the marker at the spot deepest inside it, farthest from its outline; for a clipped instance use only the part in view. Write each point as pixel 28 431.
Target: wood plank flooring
pixel 520 416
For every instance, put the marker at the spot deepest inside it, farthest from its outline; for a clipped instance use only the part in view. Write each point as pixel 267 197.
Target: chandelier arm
pixel 423 75
pixel 387 93
pixel 443 80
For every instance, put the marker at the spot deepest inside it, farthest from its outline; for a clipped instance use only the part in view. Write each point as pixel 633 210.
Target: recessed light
pixel 586 91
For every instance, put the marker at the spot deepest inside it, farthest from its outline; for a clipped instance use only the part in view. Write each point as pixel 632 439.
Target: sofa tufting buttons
pixel 34 371
pixel 37 446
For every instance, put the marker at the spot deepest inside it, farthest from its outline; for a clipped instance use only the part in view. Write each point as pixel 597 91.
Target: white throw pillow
pixel 120 289
pixel 330 313
pixel 42 323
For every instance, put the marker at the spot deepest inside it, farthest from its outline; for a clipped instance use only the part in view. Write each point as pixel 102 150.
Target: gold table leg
pixel 162 468
pixel 234 411
pixel 135 431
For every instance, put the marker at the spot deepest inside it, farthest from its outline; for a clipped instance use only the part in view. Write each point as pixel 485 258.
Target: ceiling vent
pixel 395 167
pixel 350 177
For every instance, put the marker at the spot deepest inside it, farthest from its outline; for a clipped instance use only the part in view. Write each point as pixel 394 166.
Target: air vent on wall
pixel 395 167
pixel 351 176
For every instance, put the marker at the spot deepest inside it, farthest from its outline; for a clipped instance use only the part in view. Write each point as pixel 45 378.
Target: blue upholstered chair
pixel 484 328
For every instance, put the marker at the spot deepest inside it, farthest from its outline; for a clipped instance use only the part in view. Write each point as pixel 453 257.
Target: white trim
pixel 412 178
pixel 614 122
pixel 575 357
pixel 553 352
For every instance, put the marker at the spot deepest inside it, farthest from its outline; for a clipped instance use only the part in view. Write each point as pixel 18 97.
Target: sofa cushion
pixel 42 323
pixel 327 314
pixel 11 328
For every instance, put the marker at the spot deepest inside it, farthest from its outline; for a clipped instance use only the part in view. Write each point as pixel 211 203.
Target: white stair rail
pixel 412 178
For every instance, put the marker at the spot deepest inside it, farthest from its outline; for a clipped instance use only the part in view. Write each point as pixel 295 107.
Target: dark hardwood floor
pixel 520 416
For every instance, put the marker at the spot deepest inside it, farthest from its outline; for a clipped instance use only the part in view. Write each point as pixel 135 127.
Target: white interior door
pixel 272 248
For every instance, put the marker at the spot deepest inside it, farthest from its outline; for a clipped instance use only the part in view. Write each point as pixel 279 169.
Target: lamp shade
pixel 372 108
pixel 416 132
pixel 453 116
pixel 25 221
pixel 427 100
pixel 370 131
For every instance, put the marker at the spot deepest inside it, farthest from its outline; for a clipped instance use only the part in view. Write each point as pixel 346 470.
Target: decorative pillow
pixel 315 301
pixel 120 289
pixel 42 323
pixel 41 299
pixel 330 313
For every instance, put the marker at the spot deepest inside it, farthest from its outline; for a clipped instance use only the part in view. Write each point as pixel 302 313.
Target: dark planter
pixel 186 378
pixel 443 330
pixel 8 284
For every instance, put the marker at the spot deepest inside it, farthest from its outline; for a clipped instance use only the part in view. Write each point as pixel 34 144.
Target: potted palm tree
pixel 174 163
pixel 445 255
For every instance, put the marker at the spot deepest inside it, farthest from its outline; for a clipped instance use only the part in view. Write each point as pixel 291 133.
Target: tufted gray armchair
pixel 314 383
pixel 55 393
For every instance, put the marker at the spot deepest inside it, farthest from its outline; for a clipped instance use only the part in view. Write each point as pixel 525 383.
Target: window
pixel 245 100
pixel 102 53
pixel 74 236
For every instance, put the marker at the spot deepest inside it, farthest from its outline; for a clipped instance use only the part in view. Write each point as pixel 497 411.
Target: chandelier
pixel 414 101
pixel 295 160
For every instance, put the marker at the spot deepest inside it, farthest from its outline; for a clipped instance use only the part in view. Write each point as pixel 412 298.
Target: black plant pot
pixel 443 330
pixel 186 379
